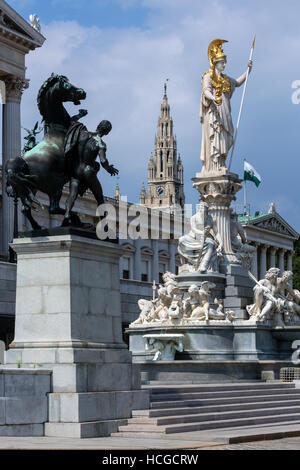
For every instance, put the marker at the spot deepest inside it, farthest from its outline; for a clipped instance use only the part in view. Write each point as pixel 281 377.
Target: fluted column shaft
pixel 272 257
pixel 263 261
pixel 155 260
pixel 11 147
pixel 137 260
pixel 281 261
pixel 254 267
pixel 290 261
pixel 172 263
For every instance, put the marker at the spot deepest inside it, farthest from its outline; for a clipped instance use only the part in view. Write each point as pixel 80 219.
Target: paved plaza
pixel 179 442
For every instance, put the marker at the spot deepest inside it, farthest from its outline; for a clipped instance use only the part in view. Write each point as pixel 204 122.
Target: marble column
pixel 272 257
pixel 11 147
pixel 155 261
pixel 263 261
pixel 290 260
pixel 137 260
pixel 281 260
pixel 172 263
pixel 254 267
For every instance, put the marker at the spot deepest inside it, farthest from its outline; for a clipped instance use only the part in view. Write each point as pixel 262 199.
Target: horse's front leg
pixel 27 213
pixel 54 203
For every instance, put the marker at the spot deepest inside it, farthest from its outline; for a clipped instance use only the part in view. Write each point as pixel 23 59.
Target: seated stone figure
pixel 169 282
pixel 199 303
pixel 268 302
pixel 147 312
pixel 162 304
pixel 202 247
pixel 243 251
pixel 293 297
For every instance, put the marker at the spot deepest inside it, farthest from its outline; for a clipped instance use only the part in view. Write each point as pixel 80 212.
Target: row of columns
pixel 264 258
pixel 172 248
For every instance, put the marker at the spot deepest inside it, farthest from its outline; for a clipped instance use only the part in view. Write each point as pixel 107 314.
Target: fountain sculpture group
pixel 214 296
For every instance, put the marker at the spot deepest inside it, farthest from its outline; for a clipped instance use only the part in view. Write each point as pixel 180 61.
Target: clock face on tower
pixel 160 191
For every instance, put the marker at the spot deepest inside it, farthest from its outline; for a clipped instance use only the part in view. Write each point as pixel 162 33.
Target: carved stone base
pixel 186 279
pixel 218 191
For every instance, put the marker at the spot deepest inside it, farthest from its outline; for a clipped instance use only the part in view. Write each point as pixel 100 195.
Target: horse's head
pixel 57 90
pixel 65 91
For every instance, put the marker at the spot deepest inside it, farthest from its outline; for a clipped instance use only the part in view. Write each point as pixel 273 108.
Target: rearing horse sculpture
pixel 43 167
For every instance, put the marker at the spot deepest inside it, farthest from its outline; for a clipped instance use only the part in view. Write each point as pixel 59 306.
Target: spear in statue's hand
pixel 242 102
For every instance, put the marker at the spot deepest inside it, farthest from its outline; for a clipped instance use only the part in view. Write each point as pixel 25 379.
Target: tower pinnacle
pixel 165 88
pixel 165 169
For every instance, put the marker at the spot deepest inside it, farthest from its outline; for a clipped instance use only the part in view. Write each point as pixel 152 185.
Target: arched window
pixel 167 128
pixel 162 129
pixel 161 162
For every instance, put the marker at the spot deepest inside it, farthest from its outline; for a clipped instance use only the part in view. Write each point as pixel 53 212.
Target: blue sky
pixel 121 51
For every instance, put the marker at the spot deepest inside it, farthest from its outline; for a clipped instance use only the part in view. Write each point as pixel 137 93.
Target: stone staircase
pixel 181 408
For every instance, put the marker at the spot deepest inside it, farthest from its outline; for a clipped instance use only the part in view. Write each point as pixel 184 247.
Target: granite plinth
pixel 23 401
pixel 204 372
pixel 239 290
pixel 68 319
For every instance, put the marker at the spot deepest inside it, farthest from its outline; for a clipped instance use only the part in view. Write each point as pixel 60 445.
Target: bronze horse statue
pixel 43 167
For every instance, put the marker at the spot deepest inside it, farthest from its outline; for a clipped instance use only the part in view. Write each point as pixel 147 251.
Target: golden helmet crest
pixel 215 51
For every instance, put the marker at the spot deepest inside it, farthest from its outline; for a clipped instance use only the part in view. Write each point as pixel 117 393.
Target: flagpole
pixel 242 104
pixel 245 197
pixel 245 191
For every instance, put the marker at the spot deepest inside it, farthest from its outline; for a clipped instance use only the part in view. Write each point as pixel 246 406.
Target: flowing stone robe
pixel 217 126
pixel 198 247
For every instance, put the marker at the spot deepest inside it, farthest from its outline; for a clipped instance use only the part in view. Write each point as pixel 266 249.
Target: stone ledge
pixel 23 371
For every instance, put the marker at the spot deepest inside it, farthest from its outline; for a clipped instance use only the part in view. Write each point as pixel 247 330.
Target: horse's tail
pixel 20 184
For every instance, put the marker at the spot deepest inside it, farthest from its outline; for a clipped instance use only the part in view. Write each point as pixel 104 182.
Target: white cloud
pixel 123 72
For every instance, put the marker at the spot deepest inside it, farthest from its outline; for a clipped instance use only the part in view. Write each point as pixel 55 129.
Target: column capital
pixel 273 250
pixel 14 87
pixel 264 247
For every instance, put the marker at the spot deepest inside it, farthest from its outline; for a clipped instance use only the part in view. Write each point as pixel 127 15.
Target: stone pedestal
pixel 219 341
pixel 68 319
pixel 218 191
pixel 239 290
pixel 186 279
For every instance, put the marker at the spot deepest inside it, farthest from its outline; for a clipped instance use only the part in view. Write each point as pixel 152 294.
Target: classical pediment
pixel 14 27
pixel 274 223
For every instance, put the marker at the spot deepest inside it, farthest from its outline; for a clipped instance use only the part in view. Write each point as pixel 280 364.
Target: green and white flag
pixel 251 174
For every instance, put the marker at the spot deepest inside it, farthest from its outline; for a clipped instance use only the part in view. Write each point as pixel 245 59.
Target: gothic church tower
pixel 165 170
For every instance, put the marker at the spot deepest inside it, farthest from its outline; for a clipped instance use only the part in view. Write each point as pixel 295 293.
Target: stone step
pixel 214 416
pixel 139 429
pixel 221 394
pixel 159 390
pixel 213 408
pixel 175 404
pixel 85 429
